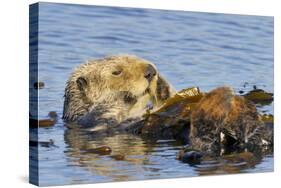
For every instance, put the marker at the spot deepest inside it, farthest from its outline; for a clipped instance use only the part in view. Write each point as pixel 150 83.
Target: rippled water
pixel 189 49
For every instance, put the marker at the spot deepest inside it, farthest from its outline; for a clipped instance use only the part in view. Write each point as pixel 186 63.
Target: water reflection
pixel 236 162
pixel 134 154
pixel 127 150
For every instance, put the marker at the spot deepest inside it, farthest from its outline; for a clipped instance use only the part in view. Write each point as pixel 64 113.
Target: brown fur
pixel 221 112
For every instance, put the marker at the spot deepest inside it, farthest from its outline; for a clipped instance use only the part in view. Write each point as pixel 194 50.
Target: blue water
pixel 188 48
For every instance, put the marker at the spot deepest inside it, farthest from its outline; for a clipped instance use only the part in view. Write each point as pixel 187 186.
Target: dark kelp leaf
pixel 103 150
pixel 118 157
pixel 188 96
pixel 53 114
pixel 46 144
pixel 172 120
pixel 39 85
pixel 259 96
pixel 43 123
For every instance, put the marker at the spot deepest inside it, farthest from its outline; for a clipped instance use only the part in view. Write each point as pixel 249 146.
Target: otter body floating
pixel 112 95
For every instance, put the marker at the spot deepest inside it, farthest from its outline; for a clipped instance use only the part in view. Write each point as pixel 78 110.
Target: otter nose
pixel 149 73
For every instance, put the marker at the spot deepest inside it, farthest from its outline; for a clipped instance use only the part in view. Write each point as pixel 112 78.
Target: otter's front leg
pixel 140 107
pixel 160 91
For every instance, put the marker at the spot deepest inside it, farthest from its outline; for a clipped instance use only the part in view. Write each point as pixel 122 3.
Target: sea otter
pixel 112 90
pixel 107 93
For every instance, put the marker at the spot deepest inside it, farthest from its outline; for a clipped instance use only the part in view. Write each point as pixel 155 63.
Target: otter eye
pixel 116 73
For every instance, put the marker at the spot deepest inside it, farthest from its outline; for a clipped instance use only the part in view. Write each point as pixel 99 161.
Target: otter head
pixel 117 87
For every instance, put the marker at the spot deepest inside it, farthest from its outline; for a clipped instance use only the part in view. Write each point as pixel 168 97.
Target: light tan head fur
pixel 115 87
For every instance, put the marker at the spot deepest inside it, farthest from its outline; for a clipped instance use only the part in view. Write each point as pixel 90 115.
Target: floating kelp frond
pixel 259 96
pixel 189 95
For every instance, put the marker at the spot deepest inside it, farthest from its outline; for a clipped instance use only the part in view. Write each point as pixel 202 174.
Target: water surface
pixel 189 49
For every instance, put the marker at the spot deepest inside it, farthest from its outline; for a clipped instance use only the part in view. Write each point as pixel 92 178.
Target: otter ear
pixel 82 83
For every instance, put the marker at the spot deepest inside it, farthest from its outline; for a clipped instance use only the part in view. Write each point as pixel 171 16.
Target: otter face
pixel 119 77
pixel 126 82
pixel 128 74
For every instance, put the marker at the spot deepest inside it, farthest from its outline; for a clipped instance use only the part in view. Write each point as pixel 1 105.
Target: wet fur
pixel 95 95
pixel 221 112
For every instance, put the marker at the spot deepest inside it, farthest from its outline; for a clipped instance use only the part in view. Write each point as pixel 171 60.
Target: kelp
pixel 188 96
pixel 172 120
pixel 103 150
pixel 42 123
pixel 39 85
pixel 259 96
pixel 47 144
